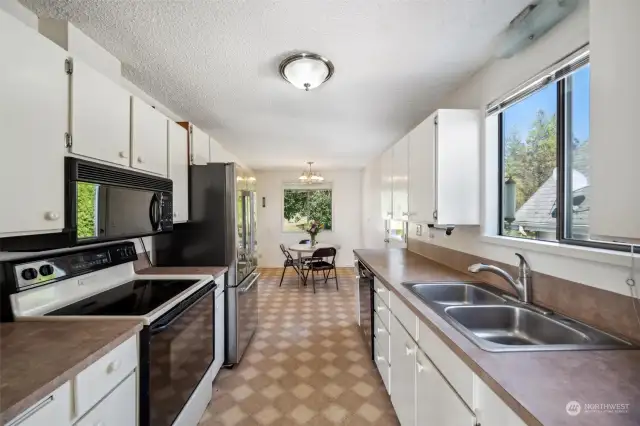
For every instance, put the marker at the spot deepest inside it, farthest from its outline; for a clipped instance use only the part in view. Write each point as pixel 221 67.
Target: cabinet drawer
pixel 407 318
pixel 383 366
pixel 117 409
pixel 382 336
pixel 450 365
pixel 92 384
pixel 382 310
pixel 55 409
pixel 381 291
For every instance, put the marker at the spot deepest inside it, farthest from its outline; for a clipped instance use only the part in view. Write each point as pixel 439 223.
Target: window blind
pixel 555 72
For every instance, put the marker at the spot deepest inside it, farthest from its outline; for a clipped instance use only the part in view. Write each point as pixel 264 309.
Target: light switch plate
pixel 419 230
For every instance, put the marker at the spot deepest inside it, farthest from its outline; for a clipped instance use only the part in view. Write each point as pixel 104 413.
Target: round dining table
pixel 307 248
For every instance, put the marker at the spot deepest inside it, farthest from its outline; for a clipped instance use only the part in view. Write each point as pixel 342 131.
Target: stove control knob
pixel 46 270
pixel 29 274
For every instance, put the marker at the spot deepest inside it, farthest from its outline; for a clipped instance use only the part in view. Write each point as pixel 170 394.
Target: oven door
pixel 109 212
pixel 181 351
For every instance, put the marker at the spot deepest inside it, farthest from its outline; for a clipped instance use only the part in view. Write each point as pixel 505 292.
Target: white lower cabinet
pixel 54 410
pixel 428 383
pixel 118 408
pixel 491 410
pixel 403 373
pixel 438 404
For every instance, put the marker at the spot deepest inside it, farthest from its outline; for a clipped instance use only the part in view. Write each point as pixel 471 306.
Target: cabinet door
pixel 439 404
pixel 218 356
pixel 100 116
pixel 401 179
pixel 387 184
pixel 403 373
pixel 118 408
pixel 148 138
pixel 199 146
pixel 421 172
pixel 33 120
pixel 54 409
pixel 179 170
pixel 491 410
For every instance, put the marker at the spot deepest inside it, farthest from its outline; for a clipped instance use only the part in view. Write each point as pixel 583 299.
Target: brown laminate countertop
pixel 216 271
pixel 37 357
pixel 536 385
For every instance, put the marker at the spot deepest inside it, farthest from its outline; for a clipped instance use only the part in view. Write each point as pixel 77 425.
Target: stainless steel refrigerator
pixel 221 232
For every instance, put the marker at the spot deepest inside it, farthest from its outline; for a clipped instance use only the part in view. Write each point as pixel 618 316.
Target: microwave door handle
pixel 153 211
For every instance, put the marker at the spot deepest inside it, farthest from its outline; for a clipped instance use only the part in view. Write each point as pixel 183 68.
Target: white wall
pixel 372 222
pixel 12 7
pixel 347 193
pixel 602 269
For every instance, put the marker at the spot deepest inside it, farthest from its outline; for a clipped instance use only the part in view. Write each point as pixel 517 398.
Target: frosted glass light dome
pixel 306 71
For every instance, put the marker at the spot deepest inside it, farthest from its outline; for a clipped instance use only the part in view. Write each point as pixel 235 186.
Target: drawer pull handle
pixel 381 290
pixel 113 366
pixel 380 358
pixel 380 308
pixel 409 351
pixel 381 330
pixel 420 367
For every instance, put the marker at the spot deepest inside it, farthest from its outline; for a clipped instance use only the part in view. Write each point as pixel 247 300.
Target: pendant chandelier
pixel 309 176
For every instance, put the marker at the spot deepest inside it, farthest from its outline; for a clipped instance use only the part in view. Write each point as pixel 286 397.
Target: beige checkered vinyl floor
pixel 306 365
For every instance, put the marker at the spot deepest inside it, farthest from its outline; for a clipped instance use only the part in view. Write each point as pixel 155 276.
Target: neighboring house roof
pixel 539 212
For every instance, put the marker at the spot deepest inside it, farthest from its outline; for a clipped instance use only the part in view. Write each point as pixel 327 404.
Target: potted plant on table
pixel 312 228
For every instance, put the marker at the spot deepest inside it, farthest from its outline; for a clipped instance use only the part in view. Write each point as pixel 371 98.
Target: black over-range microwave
pixel 105 203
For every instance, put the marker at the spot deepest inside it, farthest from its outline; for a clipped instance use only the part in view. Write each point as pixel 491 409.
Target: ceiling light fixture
pixel 306 71
pixel 309 176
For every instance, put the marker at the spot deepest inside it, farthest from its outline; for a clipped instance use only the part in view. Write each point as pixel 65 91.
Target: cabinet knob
pixel 123 154
pixel 52 215
pixel 409 351
pixel 381 330
pixel 113 366
pixel 175 215
pixel 380 358
pixel 380 290
pixel 420 367
pixel 140 160
pixel 99 423
pixel 380 308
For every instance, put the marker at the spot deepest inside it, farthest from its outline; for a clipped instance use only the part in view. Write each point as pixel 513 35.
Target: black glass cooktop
pixel 137 297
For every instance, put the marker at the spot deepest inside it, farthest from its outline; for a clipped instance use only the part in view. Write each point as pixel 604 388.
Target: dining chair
pixel 289 261
pixel 318 263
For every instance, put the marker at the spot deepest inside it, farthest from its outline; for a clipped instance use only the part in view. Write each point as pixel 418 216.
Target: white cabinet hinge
pixel 68 66
pixel 68 140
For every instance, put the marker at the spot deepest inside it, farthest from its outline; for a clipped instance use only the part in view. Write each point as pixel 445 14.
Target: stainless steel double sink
pixel 497 324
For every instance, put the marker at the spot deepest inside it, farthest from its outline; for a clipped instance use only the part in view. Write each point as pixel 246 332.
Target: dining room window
pixel 302 204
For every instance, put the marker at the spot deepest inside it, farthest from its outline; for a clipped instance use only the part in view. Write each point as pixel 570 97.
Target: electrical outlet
pixel 419 230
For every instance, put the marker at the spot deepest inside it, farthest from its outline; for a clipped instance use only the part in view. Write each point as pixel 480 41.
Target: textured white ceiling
pixel 216 63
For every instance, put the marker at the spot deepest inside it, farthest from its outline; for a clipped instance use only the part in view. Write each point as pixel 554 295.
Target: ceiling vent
pixel 532 23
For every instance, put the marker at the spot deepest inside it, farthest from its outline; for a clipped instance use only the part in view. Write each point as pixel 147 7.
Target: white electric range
pixel 176 345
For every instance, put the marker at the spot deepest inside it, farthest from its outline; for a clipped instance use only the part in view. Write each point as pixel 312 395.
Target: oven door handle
pixel 248 287
pixel 160 328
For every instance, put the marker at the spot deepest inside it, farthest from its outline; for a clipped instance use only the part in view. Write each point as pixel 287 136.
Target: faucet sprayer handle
pixel 524 269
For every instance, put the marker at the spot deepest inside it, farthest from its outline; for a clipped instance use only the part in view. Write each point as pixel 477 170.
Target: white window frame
pixel 297 185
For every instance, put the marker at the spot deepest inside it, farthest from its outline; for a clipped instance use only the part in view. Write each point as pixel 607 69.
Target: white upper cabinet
pixel 614 146
pixel 401 179
pixel 444 184
pixel 33 120
pixel 179 170
pixel 100 116
pixel 421 175
pixel 387 184
pixel 199 145
pixel 148 138
pixel 438 402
